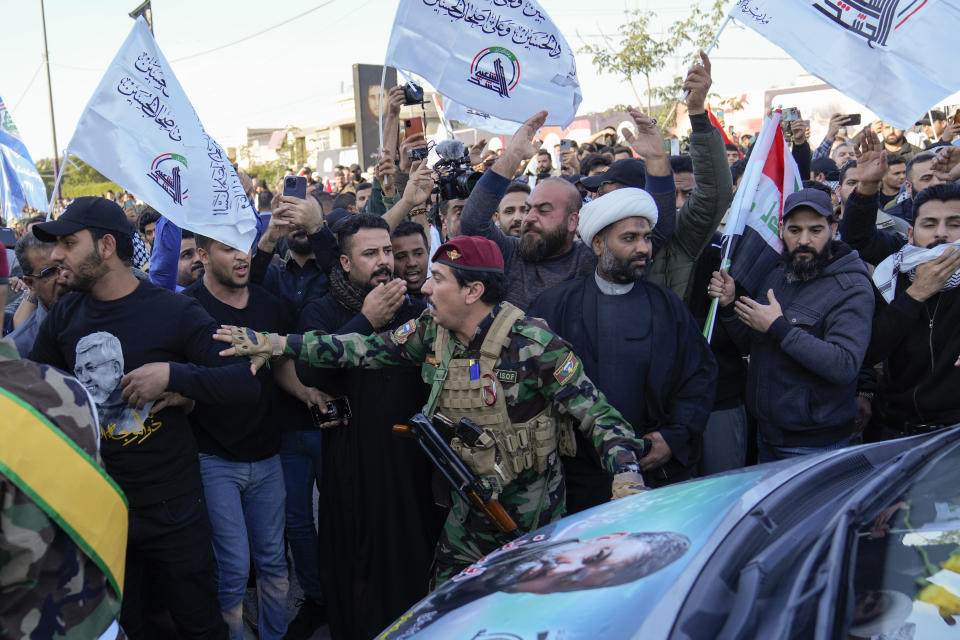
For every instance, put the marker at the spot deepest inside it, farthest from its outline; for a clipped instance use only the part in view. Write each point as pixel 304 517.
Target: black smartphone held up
pixel 851 119
pixel 295 187
pixel 339 409
pixel 8 237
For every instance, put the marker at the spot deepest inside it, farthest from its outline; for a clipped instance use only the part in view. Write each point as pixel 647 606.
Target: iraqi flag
pixel 140 130
pixel 894 56
pixel 752 232
pixel 726 139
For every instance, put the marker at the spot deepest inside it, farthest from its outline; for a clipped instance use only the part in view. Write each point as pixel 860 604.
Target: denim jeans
pixel 770 453
pixel 300 453
pixel 245 501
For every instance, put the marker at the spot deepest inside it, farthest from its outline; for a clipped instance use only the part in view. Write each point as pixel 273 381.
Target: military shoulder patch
pixel 505 375
pixel 567 369
pixel 404 331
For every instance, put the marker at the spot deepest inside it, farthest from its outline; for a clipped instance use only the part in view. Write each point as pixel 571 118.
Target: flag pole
pixel 713 43
pixel 56 184
pixel 715 304
pixel 936 136
pixel 53 123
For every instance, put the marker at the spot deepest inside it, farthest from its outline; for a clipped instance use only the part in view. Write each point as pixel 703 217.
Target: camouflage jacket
pixel 536 370
pixel 48 586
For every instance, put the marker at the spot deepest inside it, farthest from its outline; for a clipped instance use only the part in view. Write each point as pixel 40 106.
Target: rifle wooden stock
pixel 463 481
pixel 497 514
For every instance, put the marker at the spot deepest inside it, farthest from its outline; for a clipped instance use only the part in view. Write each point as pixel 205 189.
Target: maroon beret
pixel 472 253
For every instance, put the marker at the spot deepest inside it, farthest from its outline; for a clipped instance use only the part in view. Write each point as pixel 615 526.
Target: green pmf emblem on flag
pixel 567 369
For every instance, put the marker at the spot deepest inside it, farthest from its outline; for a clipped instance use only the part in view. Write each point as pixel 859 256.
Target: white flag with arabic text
pixel 140 130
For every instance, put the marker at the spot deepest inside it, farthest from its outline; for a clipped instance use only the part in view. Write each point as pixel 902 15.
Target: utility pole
pixel 53 123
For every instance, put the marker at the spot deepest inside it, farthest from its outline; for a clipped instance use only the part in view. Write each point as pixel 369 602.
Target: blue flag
pixel 20 183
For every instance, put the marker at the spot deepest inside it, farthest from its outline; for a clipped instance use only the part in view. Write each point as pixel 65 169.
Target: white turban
pixel 615 206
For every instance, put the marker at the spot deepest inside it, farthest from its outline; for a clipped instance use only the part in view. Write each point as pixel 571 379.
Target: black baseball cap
pixel 811 198
pixel 629 171
pixel 827 167
pixel 84 213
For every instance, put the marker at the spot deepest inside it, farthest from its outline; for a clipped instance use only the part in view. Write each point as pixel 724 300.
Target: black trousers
pixel 169 547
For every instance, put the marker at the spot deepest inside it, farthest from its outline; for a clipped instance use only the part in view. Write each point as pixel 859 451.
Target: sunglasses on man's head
pixel 46 273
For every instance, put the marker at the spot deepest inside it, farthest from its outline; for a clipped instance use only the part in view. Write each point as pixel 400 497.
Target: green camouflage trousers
pixel 533 500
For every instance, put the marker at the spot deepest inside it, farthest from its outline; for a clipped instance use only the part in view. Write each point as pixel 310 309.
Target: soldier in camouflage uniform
pixel 49 587
pixel 486 361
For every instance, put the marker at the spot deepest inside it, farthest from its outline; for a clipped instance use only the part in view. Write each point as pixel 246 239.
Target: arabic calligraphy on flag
pixel 885 54
pixel 502 58
pixel 140 130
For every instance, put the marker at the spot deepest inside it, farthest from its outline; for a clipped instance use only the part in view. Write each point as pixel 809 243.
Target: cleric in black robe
pixel 638 344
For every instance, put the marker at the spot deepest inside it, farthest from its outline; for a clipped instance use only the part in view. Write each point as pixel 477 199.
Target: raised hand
pixel 697 83
pixel 383 301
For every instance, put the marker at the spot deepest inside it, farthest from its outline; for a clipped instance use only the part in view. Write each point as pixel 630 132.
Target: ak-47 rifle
pixel 464 482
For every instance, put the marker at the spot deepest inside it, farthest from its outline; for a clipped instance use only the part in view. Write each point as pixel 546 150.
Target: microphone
pixel 451 150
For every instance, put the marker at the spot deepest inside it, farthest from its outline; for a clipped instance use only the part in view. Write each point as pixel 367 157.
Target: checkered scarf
pixel 906 261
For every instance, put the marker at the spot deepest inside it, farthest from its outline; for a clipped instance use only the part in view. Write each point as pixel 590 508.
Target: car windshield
pixel 906 575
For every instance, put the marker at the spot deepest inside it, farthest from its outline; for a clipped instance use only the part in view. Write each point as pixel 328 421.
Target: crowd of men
pixel 558 309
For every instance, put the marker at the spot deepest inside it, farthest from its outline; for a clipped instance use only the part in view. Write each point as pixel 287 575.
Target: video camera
pixel 455 175
pixel 412 93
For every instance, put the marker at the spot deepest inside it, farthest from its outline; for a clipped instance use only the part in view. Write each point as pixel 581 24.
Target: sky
pixel 294 73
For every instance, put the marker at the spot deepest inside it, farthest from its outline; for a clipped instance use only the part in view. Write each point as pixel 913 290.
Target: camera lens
pixel 291 182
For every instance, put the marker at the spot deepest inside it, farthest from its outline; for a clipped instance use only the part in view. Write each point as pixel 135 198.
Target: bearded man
pixel 638 343
pixel 807 343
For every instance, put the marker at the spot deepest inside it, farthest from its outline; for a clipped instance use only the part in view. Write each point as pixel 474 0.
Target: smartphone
pixel 789 114
pixel 566 145
pixel 8 237
pixel 851 119
pixel 339 409
pixel 412 126
pixel 295 186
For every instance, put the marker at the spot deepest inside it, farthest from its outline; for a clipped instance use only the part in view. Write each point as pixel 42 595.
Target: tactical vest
pixel 505 449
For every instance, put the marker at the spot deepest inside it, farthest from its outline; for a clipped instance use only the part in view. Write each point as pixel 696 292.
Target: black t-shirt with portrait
pixel 249 431
pixel 152 458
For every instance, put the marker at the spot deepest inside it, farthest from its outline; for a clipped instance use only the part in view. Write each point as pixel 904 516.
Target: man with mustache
pixel 239 447
pixel 375 496
pixel 546 253
pixel 174 263
pixel 411 255
pixel 806 333
pixel 632 335
pixel 513 208
pixel 309 253
pixel 916 330
pixel 162 336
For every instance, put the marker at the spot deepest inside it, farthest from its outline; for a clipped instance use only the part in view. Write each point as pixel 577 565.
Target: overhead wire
pixel 29 86
pixel 254 35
